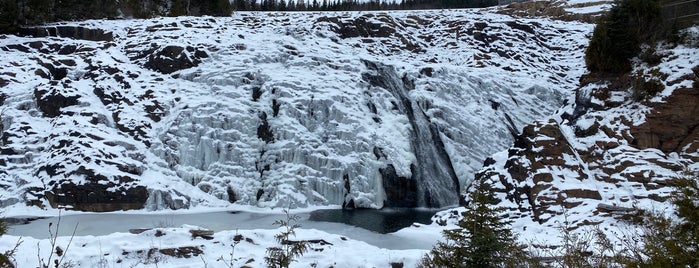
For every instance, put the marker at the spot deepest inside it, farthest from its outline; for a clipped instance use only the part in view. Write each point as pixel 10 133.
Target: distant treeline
pixel 356 5
pixel 17 13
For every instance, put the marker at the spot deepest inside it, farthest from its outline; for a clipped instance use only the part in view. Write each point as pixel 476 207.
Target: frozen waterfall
pixel 433 178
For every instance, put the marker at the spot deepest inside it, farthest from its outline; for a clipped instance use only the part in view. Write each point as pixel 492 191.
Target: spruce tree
pixel 617 37
pixel 289 251
pixel 223 8
pixel 37 11
pixel 482 239
pixel 669 242
pixel 5 258
pixel 241 5
pixel 178 8
pixel 8 16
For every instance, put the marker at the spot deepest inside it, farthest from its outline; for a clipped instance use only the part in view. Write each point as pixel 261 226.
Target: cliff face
pixel 273 110
pixel 672 125
pixel 612 150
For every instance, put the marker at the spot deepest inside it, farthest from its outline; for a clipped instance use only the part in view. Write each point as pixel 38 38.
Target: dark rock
pixel 172 58
pixel 74 32
pixel 232 197
pixel 256 93
pixel 494 104
pixel 264 131
pixel 522 27
pixel 400 191
pixel 672 126
pixel 205 234
pixel 20 48
pixel 67 62
pixel 259 194
pixel 488 161
pixel 97 196
pixel 372 107
pixel 182 252
pixel 378 152
pixel 540 146
pixel 275 107
pixel 50 102
pixel 591 130
pixel 67 50
pixel 138 230
pixel 427 71
pixel 321 242
pixel 57 73
pixel 348 203
pixel 396 265
pixel 366 26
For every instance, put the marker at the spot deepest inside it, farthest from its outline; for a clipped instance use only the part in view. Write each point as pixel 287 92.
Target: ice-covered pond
pixel 375 227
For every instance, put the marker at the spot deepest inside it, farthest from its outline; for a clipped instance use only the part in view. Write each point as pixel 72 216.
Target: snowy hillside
pixel 273 109
pixel 613 150
pixel 353 109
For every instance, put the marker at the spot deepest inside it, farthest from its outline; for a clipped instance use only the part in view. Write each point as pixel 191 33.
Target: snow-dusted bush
pixel 289 250
pixel 672 242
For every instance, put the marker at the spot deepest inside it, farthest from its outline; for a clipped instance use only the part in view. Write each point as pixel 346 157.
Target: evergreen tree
pixel 673 243
pixel 482 238
pixel 101 9
pixel 65 10
pixel 178 8
pixel 289 251
pixel 617 37
pixel 37 11
pixel 134 8
pixel 220 8
pixel 8 15
pixel 241 5
pixel 301 5
pixel 6 257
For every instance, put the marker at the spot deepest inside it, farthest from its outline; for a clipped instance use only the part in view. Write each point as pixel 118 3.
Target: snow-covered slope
pixel 273 109
pixel 613 150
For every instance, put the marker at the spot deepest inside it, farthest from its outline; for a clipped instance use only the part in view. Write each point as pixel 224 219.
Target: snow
pixel 145 249
pixel 205 139
pixel 104 237
pixel 602 161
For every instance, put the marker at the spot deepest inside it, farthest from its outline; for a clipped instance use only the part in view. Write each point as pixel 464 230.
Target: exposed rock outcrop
pixel 672 125
pixel 51 101
pixel 171 58
pixel 605 154
pixel 73 32
pixel 97 197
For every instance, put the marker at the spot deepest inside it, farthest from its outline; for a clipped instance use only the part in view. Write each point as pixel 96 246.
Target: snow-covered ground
pixel 155 247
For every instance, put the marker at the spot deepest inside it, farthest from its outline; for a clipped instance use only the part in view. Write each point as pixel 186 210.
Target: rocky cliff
pixel 273 110
pixel 616 148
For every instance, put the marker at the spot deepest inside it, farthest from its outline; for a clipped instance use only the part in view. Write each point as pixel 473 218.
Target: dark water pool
pixel 381 221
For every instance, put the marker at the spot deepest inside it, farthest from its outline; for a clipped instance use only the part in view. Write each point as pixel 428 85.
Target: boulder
pixel 97 196
pixel 173 58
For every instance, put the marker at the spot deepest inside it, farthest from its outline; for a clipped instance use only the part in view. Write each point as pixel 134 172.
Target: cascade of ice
pixel 433 174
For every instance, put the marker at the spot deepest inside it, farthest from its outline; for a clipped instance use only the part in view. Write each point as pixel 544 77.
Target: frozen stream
pixel 107 223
